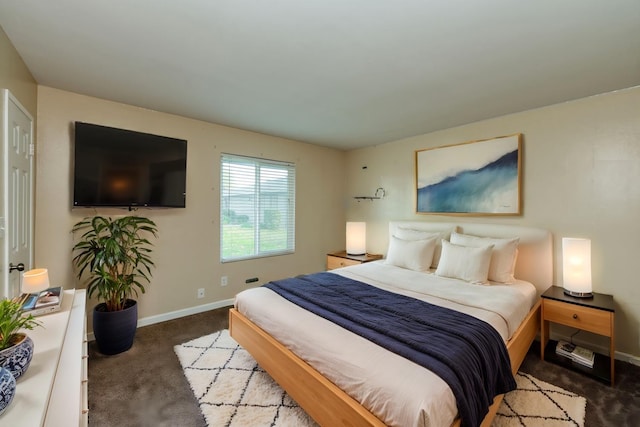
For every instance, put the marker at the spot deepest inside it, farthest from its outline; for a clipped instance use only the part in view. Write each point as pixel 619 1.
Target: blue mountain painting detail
pixel 492 188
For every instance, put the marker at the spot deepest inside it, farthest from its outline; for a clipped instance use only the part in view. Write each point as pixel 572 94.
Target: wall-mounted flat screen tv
pixel 123 168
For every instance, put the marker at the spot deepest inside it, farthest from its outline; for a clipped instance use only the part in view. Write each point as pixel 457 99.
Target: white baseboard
pixel 626 357
pixel 146 321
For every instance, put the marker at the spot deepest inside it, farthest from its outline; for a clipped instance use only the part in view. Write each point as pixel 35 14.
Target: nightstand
pixel 593 314
pixel 341 259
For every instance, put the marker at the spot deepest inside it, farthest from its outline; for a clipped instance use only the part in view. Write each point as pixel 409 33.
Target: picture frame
pixel 481 177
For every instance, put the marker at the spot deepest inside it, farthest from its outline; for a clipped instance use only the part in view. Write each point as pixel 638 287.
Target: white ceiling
pixel 340 73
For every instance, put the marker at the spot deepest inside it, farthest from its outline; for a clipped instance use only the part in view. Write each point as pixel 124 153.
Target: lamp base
pixel 578 294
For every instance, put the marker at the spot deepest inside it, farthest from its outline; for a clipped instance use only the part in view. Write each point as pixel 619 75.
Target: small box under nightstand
pixel 342 259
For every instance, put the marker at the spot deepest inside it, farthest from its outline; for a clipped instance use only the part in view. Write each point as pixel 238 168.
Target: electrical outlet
pixel 201 293
pixel 224 280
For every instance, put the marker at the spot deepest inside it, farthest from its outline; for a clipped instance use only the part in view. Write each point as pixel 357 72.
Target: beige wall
pixel 581 178
pixel 15 76
pixel 187 251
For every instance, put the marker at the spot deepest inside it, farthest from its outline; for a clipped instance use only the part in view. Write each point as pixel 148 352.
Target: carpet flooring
pixel 232 390
pixel 146 386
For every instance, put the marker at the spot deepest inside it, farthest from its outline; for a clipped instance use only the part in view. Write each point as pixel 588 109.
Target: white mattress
pixel 396 390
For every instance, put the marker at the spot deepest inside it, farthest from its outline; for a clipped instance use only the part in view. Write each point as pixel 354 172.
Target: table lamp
pixel 35 281
pixel 356 238
pixel 576 267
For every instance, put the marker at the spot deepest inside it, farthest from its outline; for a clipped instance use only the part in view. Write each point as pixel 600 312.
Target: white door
pixel 16 224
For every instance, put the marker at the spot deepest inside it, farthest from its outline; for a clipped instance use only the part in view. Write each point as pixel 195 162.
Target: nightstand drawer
pixel 588 319
pixel 334 262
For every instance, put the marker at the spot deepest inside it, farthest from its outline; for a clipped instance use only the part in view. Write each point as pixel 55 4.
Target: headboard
pixel 535 250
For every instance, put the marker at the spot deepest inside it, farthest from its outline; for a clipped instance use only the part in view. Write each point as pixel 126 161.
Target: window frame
pixel 258 208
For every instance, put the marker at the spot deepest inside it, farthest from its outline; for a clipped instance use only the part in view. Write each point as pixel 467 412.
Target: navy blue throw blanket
pixel 467 353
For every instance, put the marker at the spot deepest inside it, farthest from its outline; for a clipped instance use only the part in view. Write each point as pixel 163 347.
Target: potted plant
pixel 115 255
pixel 16 348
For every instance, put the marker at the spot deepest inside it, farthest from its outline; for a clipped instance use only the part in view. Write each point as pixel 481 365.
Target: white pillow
pixel 465 262
pixel 412 254
pixel 411 234
pixel 503 258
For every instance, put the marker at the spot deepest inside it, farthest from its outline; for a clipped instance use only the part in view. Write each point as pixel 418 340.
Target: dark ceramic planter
pixel 115 330
pixel 17 357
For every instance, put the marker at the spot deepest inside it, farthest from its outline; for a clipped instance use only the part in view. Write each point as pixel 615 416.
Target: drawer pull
pixel 575 316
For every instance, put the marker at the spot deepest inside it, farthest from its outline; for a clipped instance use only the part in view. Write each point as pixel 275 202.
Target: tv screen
pixel 124 168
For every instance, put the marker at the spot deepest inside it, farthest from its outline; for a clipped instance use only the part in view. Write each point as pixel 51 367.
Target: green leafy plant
pixel 116 256
pixel 11 320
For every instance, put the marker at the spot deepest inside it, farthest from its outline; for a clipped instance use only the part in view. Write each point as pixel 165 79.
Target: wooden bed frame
pixel 325 402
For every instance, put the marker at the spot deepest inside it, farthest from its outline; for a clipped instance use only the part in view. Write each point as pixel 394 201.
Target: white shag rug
pixel 232 390
pixel 537 403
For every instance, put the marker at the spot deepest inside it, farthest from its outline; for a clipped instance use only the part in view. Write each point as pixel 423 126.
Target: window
pixel 257 208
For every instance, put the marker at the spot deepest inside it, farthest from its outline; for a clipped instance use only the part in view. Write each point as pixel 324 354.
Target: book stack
pixel 580 355
pixel 565 348
pixel 583 356
pixel 47 301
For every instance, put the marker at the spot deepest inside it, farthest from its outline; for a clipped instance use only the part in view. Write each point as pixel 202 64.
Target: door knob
pixel 19 267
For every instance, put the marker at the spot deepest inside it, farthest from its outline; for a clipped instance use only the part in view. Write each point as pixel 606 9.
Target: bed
pixel 302 351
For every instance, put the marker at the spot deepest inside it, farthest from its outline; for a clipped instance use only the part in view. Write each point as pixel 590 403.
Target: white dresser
pixel 53 391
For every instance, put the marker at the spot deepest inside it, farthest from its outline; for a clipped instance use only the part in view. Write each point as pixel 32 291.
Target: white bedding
pixel 396 390
pixel 502 306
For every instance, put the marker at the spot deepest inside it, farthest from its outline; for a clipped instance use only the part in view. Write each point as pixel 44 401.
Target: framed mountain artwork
pixel 480 177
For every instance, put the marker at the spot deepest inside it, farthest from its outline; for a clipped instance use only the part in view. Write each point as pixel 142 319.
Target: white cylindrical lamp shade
pixel 35 281
pixel 356 238
pixel 576 266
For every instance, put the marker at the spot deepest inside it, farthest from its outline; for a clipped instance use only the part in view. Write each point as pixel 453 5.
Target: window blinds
pixel 257 207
